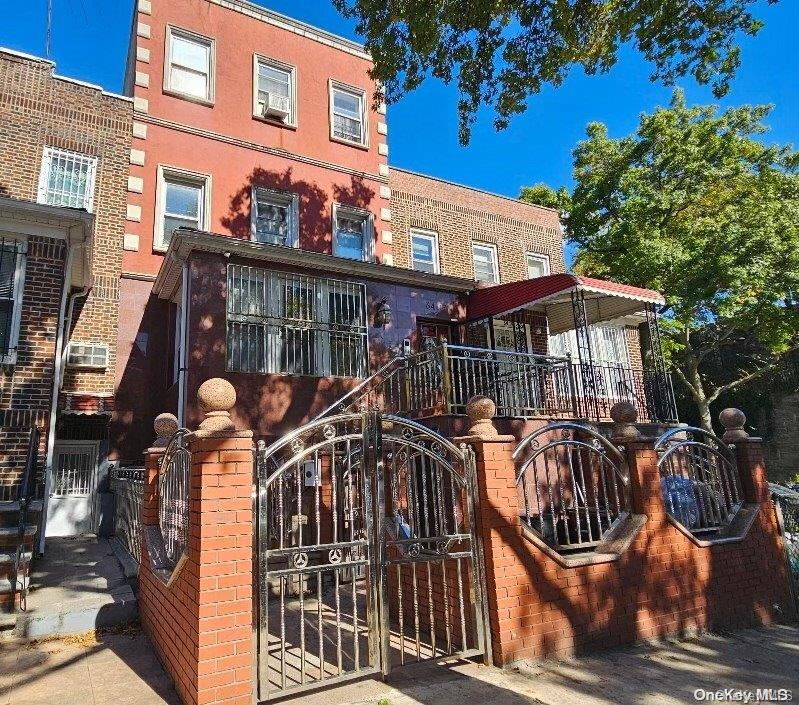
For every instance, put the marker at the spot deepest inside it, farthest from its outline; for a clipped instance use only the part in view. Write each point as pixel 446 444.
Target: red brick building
pixel 64 149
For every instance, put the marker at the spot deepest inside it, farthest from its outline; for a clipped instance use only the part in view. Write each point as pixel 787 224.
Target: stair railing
pixel 24 496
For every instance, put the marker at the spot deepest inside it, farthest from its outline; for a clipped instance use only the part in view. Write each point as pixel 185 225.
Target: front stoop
pixel 78 585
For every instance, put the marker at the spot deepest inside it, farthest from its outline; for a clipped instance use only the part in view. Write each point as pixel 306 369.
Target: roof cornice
pixel 185 241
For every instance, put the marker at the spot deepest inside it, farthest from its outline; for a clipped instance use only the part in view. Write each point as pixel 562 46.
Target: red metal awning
pixel 604 300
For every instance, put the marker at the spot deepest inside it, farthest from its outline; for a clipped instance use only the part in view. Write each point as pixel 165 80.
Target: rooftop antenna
pixel 49 35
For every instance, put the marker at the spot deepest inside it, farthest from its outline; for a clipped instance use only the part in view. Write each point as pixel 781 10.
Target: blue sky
pixel 90 40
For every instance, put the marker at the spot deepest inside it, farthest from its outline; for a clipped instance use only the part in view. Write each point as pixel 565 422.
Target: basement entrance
pixel 368 557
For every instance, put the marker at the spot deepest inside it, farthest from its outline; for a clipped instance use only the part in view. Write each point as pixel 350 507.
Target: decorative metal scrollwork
pixel 335 555
pixel 329 431
pixel 414 549
pixel 297 445
pixel 300 560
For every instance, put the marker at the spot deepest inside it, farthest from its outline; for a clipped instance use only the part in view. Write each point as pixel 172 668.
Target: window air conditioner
pixel 276 106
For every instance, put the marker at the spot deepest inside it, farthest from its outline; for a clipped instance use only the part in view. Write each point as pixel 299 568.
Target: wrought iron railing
pixel 26 492
pixel 173 497
pixel 699 479
pixel 573 485
pixel 127 484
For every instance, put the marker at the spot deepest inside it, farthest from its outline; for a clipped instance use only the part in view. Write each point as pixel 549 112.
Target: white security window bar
pixel 67 179
pixel 537 265
pixel 182 204
pixel 189 69
pixel 484 257
pixel 347 113
pixel 285 323
pixel 424 251
pixel 12 277
pixel 87 355
pixel 275 217
pixel 352 232
pixel 275 90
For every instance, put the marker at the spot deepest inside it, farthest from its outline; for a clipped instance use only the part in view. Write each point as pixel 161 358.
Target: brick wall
pixel 38 110
pixel 782 448
pixel 663 584
pixel 461 215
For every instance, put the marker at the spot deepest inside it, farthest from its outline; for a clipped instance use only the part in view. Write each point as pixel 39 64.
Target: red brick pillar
pixel 645 492
pixel 200 621
pixel 752 470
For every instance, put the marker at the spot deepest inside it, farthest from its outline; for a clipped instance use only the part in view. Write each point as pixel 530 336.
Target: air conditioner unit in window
pixel 87 356
pixel 276 106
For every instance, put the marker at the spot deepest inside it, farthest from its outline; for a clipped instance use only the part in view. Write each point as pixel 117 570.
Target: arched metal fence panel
pixel 173 498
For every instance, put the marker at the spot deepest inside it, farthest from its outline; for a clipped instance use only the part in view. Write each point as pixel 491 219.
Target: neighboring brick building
pixel 64 154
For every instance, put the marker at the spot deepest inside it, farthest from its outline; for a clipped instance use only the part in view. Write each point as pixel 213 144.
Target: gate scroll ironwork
pixel 367 554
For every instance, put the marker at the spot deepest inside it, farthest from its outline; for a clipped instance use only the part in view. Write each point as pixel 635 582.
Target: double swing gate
pixel 368 555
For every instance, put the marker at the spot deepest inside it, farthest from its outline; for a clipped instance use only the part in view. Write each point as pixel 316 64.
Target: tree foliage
pixel 696 206
pixel 500 52
pixel 543 195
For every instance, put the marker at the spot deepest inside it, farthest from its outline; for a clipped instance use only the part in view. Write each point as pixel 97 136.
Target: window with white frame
pixel 275 217
pixel 182 203
pixel 275 91
pixel 537 265
pixel 287 323
pixel 12 277
pixel 67 179
pixel 348 113
pixel 87 355
pixel 424 251
pixel 484 257
pixel 352 232
pixel 190 64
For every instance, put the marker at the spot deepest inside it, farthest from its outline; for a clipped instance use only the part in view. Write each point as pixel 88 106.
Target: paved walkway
pixel 120 668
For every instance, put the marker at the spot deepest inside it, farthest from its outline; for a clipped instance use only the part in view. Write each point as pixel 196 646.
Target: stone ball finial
pixel 165 426
pixel 216 397
pixel 624 417
pixel 481 411
pixel 733 421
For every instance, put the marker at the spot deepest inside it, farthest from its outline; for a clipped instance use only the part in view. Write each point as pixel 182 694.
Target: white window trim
pixel 172 30
pixel 10 358
pixel 431 235
pixel 86 366
pixel 164 174
pixel 261 59
pixel 489 246
pixel 346 88
pixel 289 198
pixel 44 175
pixel 539 256
pixel 369 230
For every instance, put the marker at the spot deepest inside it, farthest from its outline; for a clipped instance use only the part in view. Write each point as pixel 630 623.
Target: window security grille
pixel 67 179
pixel 293 324
pixel 88 355
pixel 11 257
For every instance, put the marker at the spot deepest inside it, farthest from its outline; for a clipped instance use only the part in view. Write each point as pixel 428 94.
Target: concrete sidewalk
pixel 120 668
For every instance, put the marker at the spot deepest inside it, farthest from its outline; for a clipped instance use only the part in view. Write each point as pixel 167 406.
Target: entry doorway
pixel 431 334
pixel 72 504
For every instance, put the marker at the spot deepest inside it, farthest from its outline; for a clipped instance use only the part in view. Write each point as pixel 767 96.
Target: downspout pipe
pixel 182 362
pixel 58 370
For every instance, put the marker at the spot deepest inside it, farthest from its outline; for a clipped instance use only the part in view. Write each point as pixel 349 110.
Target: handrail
pixel 23 497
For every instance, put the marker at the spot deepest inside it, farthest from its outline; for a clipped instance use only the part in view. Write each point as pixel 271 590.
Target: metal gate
pixel 368 555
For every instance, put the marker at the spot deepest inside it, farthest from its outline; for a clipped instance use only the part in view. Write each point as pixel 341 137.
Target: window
pixel 87 355
pixel 12 276
pixel 424 251
pixel 485 262
pixel 182 203
pixel 347 114
pixel 189 65
pixel 352 232
pixel 274 217
pixel 537 265
pixel 285 323
pixel 275 90
pixel 67 179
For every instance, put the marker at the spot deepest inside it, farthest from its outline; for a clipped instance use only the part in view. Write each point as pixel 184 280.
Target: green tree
pixel 500 52
pixel 696 206
pixel 544 195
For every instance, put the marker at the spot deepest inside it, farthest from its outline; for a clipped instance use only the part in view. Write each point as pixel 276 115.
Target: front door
pixel 432 334
pixel 71 508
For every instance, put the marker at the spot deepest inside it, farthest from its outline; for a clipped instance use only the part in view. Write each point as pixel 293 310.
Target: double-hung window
pixel 537 265
pixel 182 203
pixel 12 277
pixel 352 232
pixel 424 251
pixel 189 65
pixel 348 114
pixel 275 91
pixel 67 179
pixel 484 257
pixel 275 217
pixel 284 323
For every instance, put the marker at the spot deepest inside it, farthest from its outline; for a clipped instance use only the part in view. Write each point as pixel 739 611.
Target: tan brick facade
pixel 461 215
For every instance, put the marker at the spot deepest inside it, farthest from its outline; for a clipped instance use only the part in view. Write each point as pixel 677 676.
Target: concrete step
pixel 23 583
pixel 7 558
pixel 33 506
